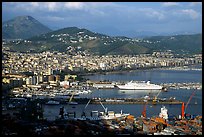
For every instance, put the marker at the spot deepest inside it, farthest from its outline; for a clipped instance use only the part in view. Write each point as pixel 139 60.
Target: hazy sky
pixel 112 18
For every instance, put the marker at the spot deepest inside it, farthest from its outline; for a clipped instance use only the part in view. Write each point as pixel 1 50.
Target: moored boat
pixel 73 103
pixel 52 102
pixel 140 86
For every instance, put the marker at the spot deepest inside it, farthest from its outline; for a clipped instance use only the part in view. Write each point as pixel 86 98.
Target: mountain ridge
pixel 102 44
pixel 23 27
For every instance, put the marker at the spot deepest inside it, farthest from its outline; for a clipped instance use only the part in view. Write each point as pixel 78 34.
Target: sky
pixel 113 18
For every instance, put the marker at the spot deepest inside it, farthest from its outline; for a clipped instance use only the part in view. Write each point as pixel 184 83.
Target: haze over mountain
pixel 23 27
pixel 130 19
pixel 37 40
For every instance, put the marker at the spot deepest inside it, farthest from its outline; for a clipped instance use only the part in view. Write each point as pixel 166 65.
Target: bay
pixel 156 76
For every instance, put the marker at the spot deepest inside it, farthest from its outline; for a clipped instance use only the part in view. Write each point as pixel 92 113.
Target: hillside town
pixel 83 68
pixel 43 69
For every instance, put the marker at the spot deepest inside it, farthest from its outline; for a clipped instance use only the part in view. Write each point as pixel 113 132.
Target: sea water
pixel 156 76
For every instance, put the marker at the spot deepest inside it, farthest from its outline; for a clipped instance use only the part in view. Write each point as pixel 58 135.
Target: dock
pixel 117 101
pixel 135 102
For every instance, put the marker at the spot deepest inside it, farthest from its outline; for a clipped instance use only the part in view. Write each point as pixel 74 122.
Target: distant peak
pixel 29 17
pixel 25 17
pixel 24 27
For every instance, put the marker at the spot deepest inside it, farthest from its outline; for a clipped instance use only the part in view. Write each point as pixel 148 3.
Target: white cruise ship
pixel 139 86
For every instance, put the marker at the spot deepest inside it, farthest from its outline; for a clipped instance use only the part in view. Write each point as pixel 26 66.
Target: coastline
pixel 130 70
pixel 118 71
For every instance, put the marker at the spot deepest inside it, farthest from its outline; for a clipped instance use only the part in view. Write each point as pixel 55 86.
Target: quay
pixel 113 101
pixel 135 102
pixel 30 120
pixel 128 101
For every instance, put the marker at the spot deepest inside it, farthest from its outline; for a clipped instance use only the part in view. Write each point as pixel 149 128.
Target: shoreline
pixel 118 71
pixel 130 70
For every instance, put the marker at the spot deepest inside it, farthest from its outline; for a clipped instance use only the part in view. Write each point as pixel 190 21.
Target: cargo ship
pixel 141 85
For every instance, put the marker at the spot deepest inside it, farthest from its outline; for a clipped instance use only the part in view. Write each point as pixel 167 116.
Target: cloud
pixel 190 12
pixel 74 5
pixel 170 4
pixel 8 3
pixel 52 6
pixel 64 6
pixel 157 14
pixel 152 13
pixel 35 4
pixel 106 15
pixel 192 4
pixel 42 6
pixel 19 6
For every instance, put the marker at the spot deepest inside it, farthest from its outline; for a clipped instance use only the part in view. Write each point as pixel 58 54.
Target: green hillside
pixel 101 44
pixel 178 43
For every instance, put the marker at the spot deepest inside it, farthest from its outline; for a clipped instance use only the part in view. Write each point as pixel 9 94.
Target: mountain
pixel 178 43
pixel 23 27
pixel 61 40
pixel 91 41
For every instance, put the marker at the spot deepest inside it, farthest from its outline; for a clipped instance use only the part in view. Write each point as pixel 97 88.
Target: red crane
pixel 183 109
pixel 144 110
pixel 189 99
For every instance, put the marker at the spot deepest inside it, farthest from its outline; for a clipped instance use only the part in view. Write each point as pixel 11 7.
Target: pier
pixel 191 85
pixel 117 101
pixel 136 102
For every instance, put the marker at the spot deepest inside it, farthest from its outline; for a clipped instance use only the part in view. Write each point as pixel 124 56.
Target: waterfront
pixel 50 120
pixel 134 73
pixel 156 76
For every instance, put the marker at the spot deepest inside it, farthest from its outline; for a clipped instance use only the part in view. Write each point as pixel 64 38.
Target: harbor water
pixel 156 76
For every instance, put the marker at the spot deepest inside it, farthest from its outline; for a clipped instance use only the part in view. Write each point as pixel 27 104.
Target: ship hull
pixel 138 88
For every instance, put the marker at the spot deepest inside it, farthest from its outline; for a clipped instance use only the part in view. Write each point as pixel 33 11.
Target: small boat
pixel 73 103
pixel 196 102
pixel 29 95
pixel 52 102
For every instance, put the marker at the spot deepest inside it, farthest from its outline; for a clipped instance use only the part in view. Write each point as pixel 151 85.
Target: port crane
pixel 155 98
pixel 183 109
pixel 105 108
pixel 145 107
pixel 87 104
pixel 83 113
pixel 144 110
pixel 189 100
pixel 70 100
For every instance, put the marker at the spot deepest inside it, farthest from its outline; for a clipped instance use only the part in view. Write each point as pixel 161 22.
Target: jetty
pixel 116 101
pixel 136 101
